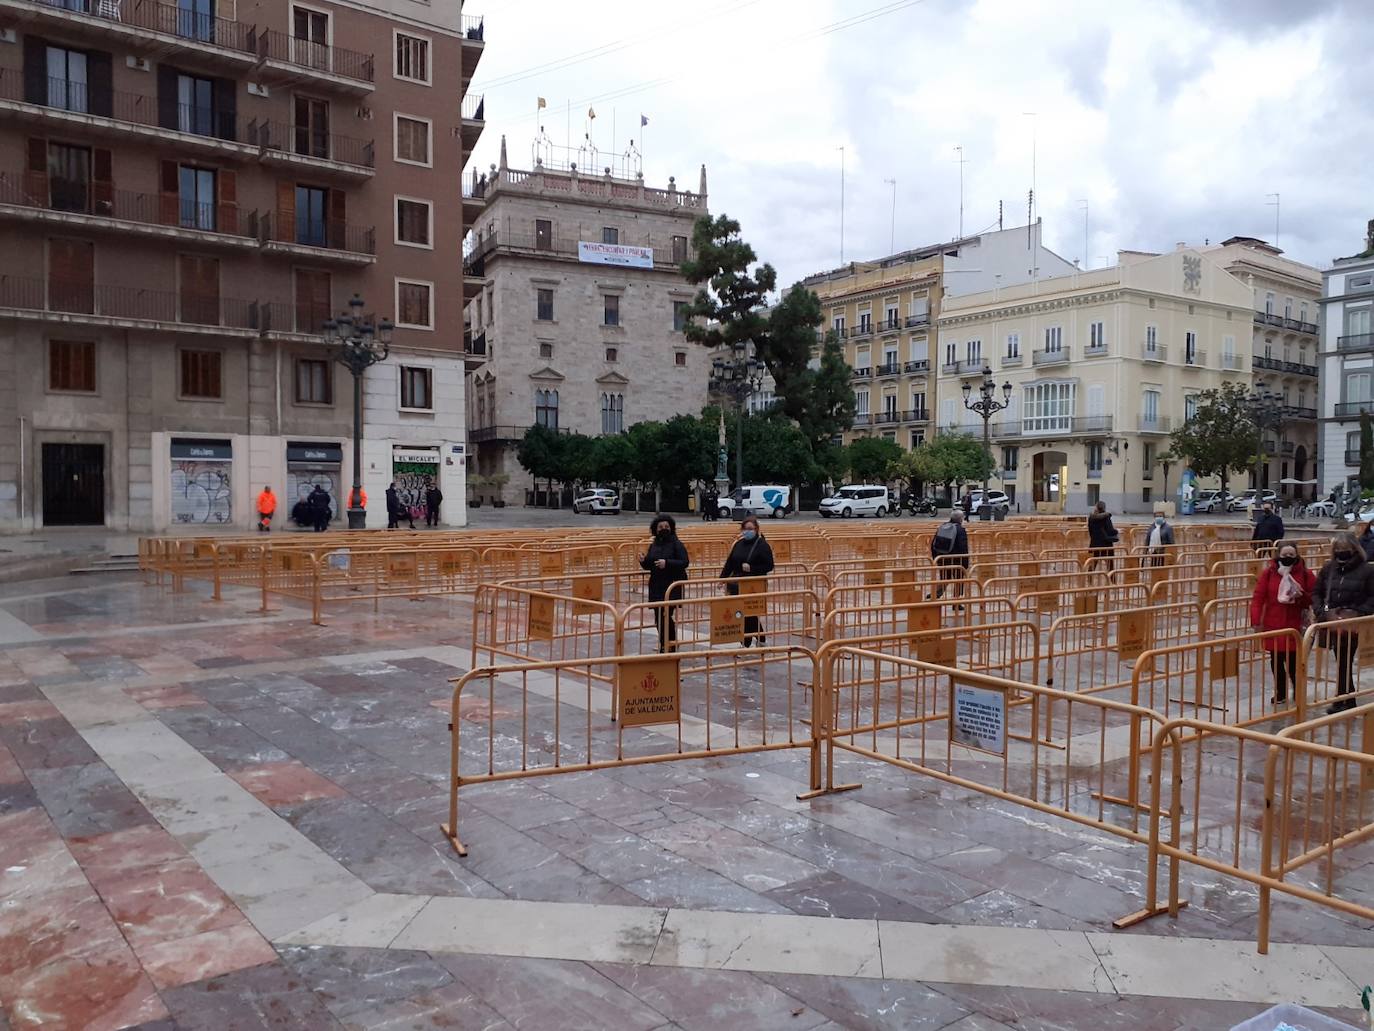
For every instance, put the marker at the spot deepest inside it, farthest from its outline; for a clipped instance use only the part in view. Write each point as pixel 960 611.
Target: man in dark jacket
pixel 1268 528
pixel 949 550
pixel 1345 590
pixel 434 497
pixel 666 562
pixel 396 510
pixel 1102 535
pixel 319 509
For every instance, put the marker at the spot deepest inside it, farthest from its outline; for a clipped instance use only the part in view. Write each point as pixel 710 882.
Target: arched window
pixel 612 413
pixel 546 408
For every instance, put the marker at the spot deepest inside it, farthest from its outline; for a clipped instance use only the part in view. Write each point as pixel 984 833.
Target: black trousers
pixel 666 624
pixel 1285 667
pixel 1346 646
pixel 431 515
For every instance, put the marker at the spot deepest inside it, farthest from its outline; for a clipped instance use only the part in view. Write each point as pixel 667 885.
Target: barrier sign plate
pixel 649 691
pixel 1132 635
pixel 751 596
pixel 539 622
pixel 585 589
pixel 550 563
pixel 339 561
pixel 978 717
pixel 727 621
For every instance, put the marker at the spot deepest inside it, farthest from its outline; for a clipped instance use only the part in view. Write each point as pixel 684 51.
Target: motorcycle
pixel 919 506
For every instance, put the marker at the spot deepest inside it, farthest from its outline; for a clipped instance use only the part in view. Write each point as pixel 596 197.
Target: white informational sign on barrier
pixel 340 560
pixel 978 717
pixel 615 254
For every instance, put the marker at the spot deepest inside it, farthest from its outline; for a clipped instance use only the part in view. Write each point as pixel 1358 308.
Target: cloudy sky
pixel 1172 120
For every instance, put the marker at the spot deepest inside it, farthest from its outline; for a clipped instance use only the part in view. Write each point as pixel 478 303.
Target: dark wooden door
pixel 73 485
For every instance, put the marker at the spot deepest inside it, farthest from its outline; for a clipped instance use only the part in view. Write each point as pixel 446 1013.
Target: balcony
pixel 1012 361
pixel 920 365
pixel 324 240
pixel 474 348
pixel 918 321
pixel 301 322
pixel 887 417
pixel 1233 362
pixel 89 206
pixel 863 329
pixel 1156 424
pixel 1294 368
pixel 1067 426
pixel 1352 409
pixel 967 367
pixel 891 325
pixel 916 415
pixel 287 59
pixel 1288 448
pixel 1094 474
pixel 863 373
pixel 473 28
pixel 1355 342
pixel 303 148
pixel 1198 359
pixel 1282 322
pixel 1154 352
pixel 1001 430
pixel 86 303
pixel 1352 459
pixel 1304 414
pixel 474 119
pixel 1056 357
pixel 1095 351
pixel 862 419
pixel 889 369
pixel 474 200
pixel 121 114
pixel 135 23
pixel 475 258
pixel 485 434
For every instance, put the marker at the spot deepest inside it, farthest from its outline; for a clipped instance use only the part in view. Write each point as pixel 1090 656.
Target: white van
pixel 766 500
pixel 859 499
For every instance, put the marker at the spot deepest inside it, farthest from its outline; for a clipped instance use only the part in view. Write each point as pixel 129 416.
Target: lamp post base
pixel 357 518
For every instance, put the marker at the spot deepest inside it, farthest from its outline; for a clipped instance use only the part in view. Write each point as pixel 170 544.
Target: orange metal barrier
pixel 1043 607
pixel 713 618
pixel 511 623
pixel 518 721
pixel 1336 655
pixel 915 613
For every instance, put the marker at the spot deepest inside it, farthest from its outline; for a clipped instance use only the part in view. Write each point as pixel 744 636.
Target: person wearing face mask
pixel 1268 528
pixel 1344 590
pixel 1280 601
pixel 666 562
pixel 750 555
pixel 1161 536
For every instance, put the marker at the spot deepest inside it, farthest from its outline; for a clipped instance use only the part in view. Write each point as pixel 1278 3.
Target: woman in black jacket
pixel 1102 535
pixel 666 561
pixel 1345 590
pixel 750 555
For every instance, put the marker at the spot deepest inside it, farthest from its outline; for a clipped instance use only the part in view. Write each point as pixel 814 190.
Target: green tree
pixel 687 451
pixel 537 453
pixel 774 450
pixel 951 457
pixel 612 459
pixel 871 457
pixel 576 460
pixel 728 310
pixel 1366 452
pixel 1221 436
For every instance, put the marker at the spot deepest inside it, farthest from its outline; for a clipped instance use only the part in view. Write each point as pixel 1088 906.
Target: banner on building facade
pixel 615 254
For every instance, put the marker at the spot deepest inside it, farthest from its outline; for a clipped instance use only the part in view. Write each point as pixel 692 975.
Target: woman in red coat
pixel 1282 597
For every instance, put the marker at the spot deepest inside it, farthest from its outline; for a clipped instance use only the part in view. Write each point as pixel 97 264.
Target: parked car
pixel 1208 501
pixel 996 499
pixel 756 500
pixel 597 502
pixel 1246 501
pixel 862 499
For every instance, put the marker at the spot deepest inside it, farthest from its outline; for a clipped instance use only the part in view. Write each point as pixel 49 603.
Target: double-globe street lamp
pixel 359 341
pixel 737 376
pixel 1266 411
pixel 987 406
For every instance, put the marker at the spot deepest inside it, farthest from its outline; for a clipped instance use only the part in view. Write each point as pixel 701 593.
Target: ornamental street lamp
pixel 1266 410
pixel 987 406
pixel 359 341
pixel 737 376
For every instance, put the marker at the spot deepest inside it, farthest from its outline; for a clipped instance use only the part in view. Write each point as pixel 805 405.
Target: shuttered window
pixel 313 307
pixel 198 289
pixel 71 365
pixel 417 387
pixel 200 374
pixel 413 304
pixel 314 382
pixel 412 222
pixel 412 140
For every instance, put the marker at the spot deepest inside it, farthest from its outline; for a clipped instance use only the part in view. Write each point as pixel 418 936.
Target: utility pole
pixel 892 237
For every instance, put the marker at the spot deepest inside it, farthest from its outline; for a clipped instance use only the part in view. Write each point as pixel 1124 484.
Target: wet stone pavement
pixel 213 818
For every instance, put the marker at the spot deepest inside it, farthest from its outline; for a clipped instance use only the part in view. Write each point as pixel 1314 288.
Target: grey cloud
pixel 1084 60
pixel 1257 17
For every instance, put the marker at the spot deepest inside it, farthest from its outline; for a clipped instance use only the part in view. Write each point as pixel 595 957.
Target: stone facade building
pixel 580 311
pixel 885 311
pixel 1347 360
pixel 1102 365
pixel 191 190
pixel 1283 354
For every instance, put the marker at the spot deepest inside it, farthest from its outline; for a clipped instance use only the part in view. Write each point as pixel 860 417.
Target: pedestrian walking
pixel 434 497
pixel 1344 590
pixel 319 509
pixel 666 562
pixel 1160 537
pixel 949 551
pixel 1268 528
pixel 1280 601
pixel 750 555
pixel 267 504
pixel 1102 535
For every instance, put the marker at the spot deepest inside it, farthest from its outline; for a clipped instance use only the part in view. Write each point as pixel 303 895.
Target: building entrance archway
pixel 1050 479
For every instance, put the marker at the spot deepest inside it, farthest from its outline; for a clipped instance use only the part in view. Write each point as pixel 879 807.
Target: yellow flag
pixel 542 103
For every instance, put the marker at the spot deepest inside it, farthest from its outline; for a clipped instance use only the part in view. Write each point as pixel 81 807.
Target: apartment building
pixel 1283 354
pixel 1102 365
pixel 581 309
pixel 1347 360
pixel 192 189
pixel 885 311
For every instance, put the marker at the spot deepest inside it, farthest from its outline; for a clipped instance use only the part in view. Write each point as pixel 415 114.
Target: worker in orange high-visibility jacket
pixel 267 504
pixel 360 495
